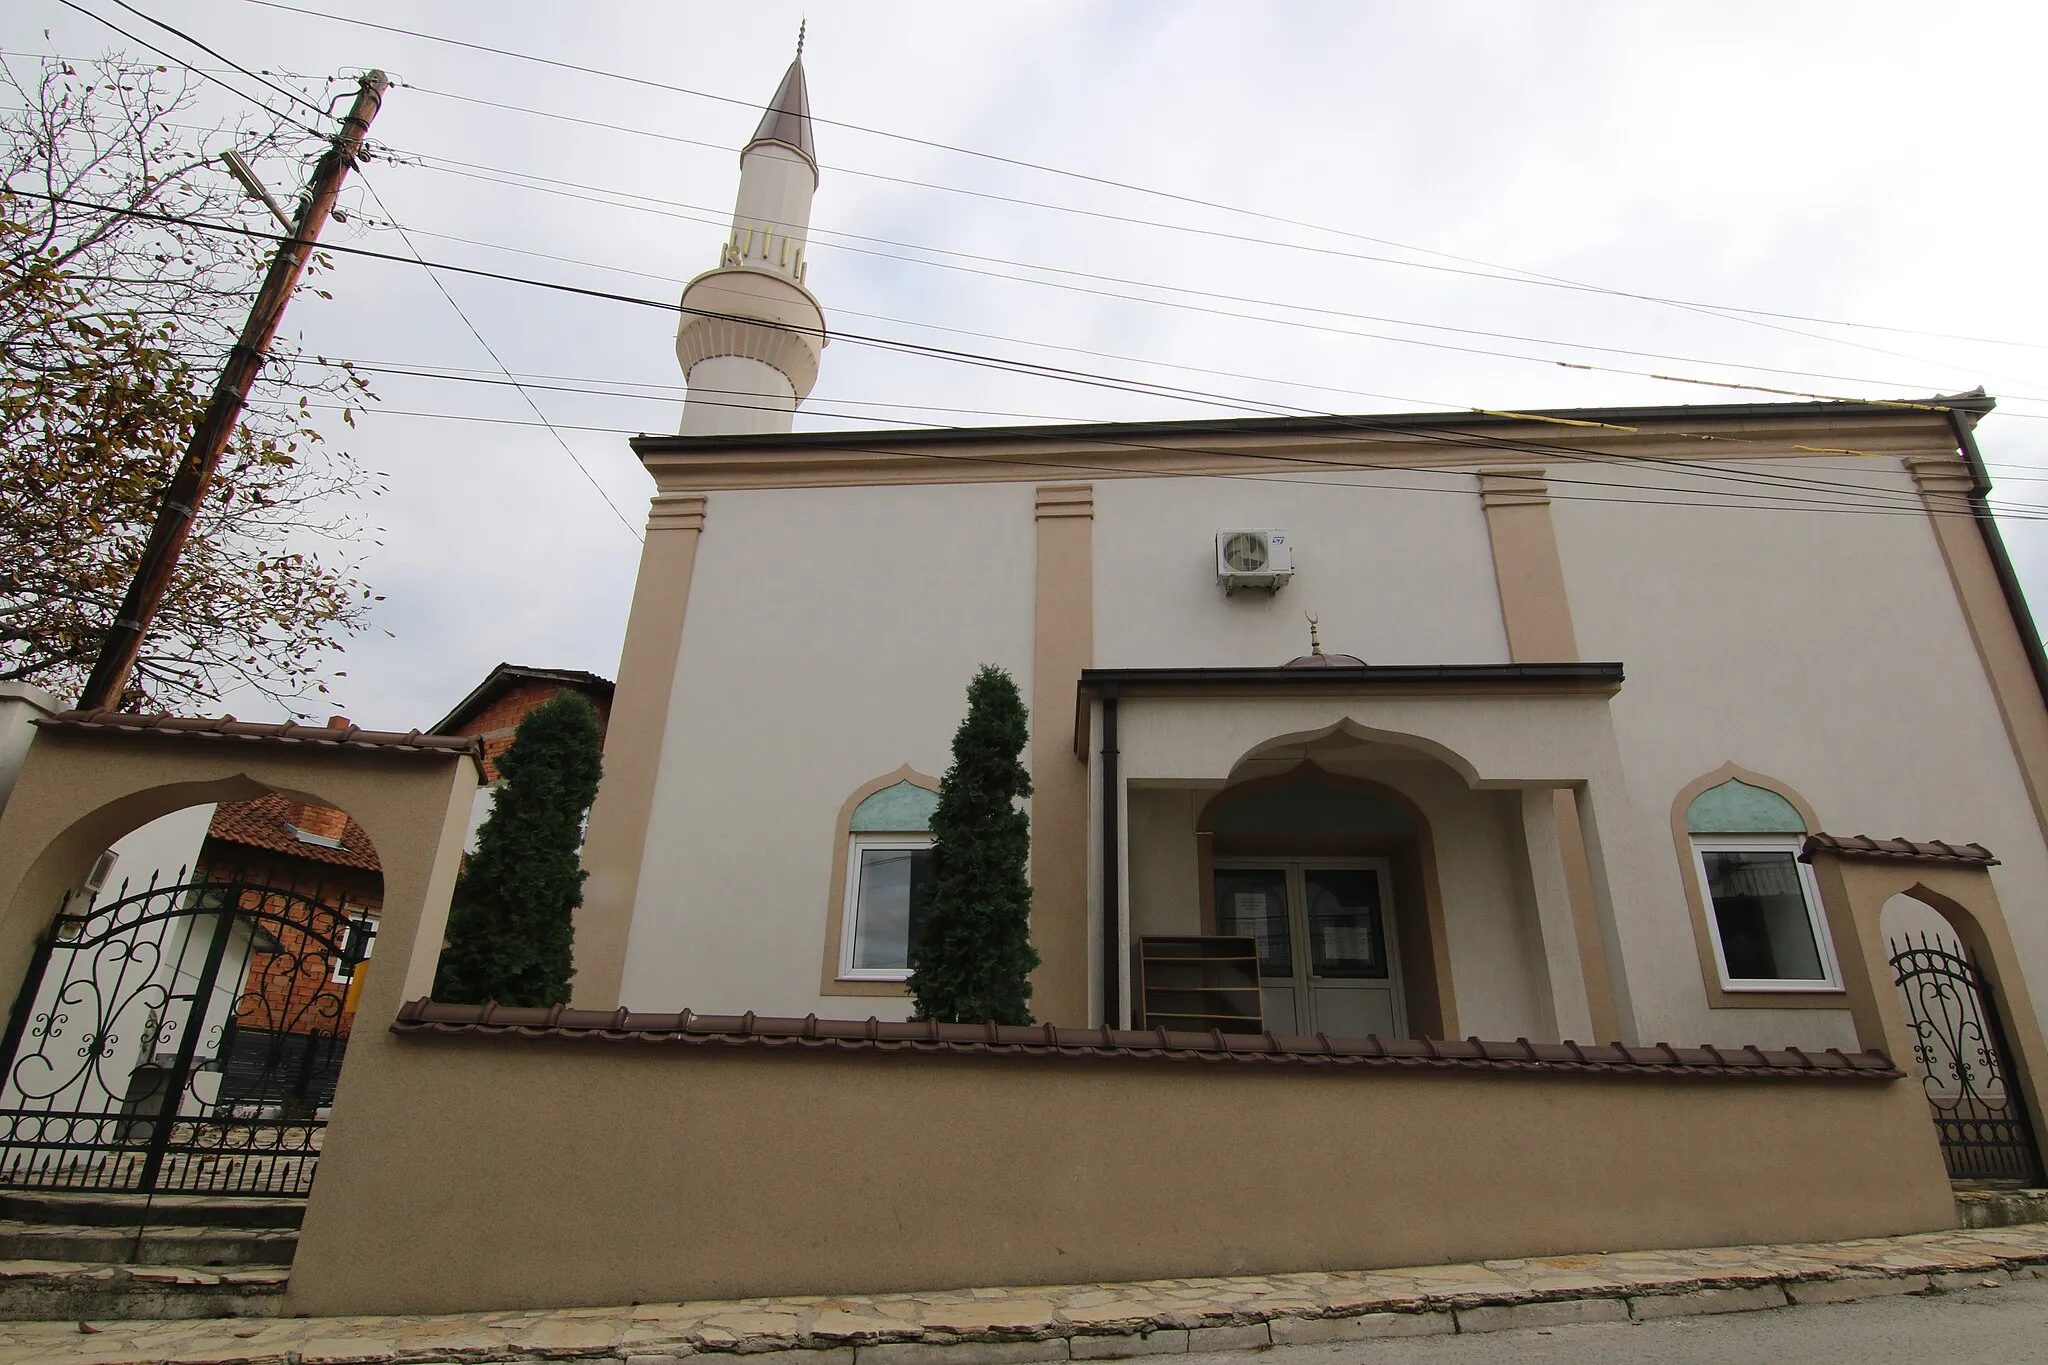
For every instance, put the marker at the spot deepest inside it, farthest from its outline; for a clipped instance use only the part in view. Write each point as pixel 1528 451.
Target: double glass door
pixel 1325 930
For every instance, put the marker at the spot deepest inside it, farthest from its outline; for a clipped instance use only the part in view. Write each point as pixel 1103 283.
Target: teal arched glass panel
pixel 904 808
pixel 1736 807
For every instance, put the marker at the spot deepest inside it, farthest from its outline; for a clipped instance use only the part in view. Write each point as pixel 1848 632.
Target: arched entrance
pixel 180 1034
pixel 181 1039
pixel 1334 877
pixel 183 1021
pixel 1933 979
pixel 1962 1052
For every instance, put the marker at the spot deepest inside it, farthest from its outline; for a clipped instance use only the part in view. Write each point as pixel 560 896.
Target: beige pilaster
pixel 617 838
pixel 1537 615
pixel 1533 605
pixel 1944 482
pixel 1063 643
pixel 1557 926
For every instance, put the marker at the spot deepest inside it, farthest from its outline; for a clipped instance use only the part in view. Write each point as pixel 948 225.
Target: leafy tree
pixel 112 330
pixel 974 958
pixel 511 927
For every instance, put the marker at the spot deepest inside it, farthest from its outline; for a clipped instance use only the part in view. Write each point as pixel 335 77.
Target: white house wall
pixel 1396 569
pixel 1825 650
pixel 831 632
pixel 830 639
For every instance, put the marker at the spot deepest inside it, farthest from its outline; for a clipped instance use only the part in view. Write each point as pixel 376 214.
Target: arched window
pixel 1762 906
pixel 888 874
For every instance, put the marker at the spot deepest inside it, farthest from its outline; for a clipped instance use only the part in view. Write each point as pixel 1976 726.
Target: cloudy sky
pixel 1351 207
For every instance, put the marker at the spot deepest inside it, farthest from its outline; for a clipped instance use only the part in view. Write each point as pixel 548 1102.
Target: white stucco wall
pixel 776 186
pixel 1396 568
pixel 1823 649
pixel 20 704
pixel 732 394
pixel 830 638
pixel 1166 889
pixel 831 632
pixel 166 850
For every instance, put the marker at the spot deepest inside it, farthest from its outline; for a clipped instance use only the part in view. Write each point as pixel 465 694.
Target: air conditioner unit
pixel 1253 559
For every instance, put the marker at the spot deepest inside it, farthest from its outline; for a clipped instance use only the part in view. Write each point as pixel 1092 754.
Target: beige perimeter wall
pixel 564 1173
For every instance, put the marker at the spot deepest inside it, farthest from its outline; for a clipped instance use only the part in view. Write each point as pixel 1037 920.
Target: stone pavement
pixel 1088 1322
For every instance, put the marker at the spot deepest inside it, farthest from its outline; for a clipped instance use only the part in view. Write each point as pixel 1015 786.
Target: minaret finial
pixel 1315 646
pixel 801 25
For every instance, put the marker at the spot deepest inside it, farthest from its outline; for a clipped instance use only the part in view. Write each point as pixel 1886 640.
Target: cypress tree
pixel 973 959
pixel 510 928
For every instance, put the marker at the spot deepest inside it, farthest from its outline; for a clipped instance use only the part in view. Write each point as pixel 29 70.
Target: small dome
pixel 1320 660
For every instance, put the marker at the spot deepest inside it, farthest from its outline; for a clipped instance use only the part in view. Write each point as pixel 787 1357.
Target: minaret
pixel 751 364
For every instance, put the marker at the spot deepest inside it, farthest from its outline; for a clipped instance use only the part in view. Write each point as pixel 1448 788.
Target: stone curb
pixel 1093 1322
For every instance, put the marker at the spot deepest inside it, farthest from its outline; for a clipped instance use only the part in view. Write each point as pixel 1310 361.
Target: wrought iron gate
pixel 184 1039
pixel 1964 1063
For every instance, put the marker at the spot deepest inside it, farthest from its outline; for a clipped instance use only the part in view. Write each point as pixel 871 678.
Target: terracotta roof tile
pixel 425 1016
pixel 261 823
pixel 228 728
pixel 1896 850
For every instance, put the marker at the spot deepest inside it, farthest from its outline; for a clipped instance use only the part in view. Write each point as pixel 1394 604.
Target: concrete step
pixel 174 1246
pixel 74 1291
pixel 1996 1208
pixel 163 1210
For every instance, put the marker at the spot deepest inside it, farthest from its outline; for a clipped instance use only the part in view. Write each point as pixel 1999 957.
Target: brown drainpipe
pixel 2001 562
pixel 1112 882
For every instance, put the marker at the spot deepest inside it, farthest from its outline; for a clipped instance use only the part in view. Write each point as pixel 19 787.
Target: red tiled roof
pixel 244 731
pixel 425 1016
pixel 261 823
pixel 1896 850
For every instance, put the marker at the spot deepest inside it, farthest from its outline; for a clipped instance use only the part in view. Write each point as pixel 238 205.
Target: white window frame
pixel 1816 920
pixel 849 921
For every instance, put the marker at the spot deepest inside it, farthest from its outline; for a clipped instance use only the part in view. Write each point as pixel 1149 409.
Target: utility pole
pixel 186 492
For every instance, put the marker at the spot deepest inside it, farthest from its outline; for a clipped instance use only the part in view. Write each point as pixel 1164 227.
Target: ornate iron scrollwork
pixel 180 1039
pixel 1957 1040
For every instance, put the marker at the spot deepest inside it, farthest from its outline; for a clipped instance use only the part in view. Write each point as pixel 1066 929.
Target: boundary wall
pixel 472 1171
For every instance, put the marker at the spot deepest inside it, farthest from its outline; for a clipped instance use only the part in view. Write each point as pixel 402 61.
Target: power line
pixel 168 62
pixel 432 274
pixel 562 188
pixel 1517 274
pixel 1862 493
pixel 219 56
pixel 1707 501
pixel 98 18
pixel 1242 404
pixel 1059 346
pixel 491 351
pixel 1142 284
pixel 1007 364
pixel 1716 310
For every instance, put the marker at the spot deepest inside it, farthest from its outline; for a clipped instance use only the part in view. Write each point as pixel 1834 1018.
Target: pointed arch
pixel 829 982
pixel 1405 839
pixel 1682 832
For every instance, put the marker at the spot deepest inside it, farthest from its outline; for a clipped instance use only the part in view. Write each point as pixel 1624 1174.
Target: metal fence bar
pixel 180 1039
pixel 1966 1073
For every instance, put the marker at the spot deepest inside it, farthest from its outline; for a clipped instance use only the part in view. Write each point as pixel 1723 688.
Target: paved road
pixel 2006 1324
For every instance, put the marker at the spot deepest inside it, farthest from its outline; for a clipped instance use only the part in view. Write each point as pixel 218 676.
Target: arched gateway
pixel 185 1034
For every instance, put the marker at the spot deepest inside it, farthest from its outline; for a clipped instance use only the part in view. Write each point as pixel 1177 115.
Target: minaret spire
pixel 750 365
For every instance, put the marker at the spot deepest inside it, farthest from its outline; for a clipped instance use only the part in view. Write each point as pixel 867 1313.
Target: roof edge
pixel 100 723
pixel 426 1017
pixel 1938 408
pixel 572 677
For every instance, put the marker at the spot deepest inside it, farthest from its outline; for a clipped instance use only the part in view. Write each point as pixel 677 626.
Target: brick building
pixel 314 870
pixel 504 698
